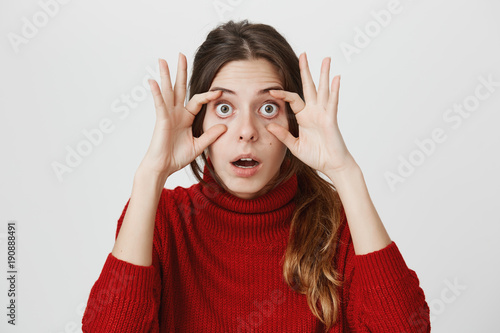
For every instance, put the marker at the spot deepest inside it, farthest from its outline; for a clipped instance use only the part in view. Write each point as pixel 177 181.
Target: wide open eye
pixel 223 109
pixel 270 109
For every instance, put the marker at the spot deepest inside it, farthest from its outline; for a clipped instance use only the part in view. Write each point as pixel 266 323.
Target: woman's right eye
pixel 223 109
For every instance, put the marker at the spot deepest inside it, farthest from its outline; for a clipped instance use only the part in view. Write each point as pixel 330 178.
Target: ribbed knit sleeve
pixel 125 297
pixel 385 295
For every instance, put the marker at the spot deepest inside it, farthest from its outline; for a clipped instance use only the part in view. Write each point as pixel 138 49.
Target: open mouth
pixel 245 163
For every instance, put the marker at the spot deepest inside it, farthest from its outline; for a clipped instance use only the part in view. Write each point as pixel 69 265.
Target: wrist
pixel 347 167
pixel 345 175
pixel 150 177
pixel 146 170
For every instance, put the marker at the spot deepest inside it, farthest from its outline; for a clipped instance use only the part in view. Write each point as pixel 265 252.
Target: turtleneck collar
pixel 254 222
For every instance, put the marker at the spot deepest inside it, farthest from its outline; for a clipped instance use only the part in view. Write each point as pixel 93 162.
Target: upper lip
pixel 253 157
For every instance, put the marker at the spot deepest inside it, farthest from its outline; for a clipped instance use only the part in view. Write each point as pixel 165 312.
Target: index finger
pixel 197 101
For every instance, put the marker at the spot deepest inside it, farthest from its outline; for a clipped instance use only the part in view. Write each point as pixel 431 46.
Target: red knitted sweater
pixel 216 268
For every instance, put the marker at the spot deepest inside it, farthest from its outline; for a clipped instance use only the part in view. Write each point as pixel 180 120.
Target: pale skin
pixel 172 147
pixel 320 145
pixel 246 121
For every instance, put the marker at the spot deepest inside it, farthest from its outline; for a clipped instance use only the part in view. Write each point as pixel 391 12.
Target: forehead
pixel 246 73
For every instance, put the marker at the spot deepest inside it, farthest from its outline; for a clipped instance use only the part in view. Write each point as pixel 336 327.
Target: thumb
pixel 209 137
pixel 283 135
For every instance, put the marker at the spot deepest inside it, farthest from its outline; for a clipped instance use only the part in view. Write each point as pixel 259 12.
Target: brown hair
pixel 308 262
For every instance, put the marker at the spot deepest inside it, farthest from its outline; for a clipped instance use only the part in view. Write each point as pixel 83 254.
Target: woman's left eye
pixel 270 109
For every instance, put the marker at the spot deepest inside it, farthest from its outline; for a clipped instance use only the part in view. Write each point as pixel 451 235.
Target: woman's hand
pixel 320 144
pixel 173 145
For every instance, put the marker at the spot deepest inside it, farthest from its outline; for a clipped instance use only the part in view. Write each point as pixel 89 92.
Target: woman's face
pixel 246 110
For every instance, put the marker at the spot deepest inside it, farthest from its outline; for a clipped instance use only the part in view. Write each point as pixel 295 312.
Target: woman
pixel 262 242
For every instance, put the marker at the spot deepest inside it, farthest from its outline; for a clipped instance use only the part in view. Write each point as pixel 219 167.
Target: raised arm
pixel 384 287
pixel 126 297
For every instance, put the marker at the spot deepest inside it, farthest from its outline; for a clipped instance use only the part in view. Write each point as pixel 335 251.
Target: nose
pixel 247 129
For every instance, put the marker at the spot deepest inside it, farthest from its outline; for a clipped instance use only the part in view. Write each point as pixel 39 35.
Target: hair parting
pixel 308 261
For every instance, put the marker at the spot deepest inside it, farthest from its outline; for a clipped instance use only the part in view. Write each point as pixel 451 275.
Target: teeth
pixel 241 161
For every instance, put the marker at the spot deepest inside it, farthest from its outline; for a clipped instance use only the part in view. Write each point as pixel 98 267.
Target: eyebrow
pixel 261 92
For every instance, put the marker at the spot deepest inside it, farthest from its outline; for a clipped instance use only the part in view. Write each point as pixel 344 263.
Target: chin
pixel 250 193
pixel 245 188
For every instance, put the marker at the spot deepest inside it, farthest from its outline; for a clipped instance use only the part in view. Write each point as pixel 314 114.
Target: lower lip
pixel 245 172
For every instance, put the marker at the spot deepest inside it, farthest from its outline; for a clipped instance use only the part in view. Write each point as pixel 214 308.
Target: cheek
pixel 217 149
pixel 282 120
pixel 210 120
pixel 206 124
pixel 273 144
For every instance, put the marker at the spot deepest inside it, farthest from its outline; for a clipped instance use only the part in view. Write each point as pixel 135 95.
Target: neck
pixel 245 222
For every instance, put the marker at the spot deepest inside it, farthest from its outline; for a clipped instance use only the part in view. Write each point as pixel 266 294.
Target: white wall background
pixel 79 66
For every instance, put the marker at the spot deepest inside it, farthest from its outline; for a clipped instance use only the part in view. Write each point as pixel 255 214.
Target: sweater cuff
pixel 382 267
pixel 123 279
